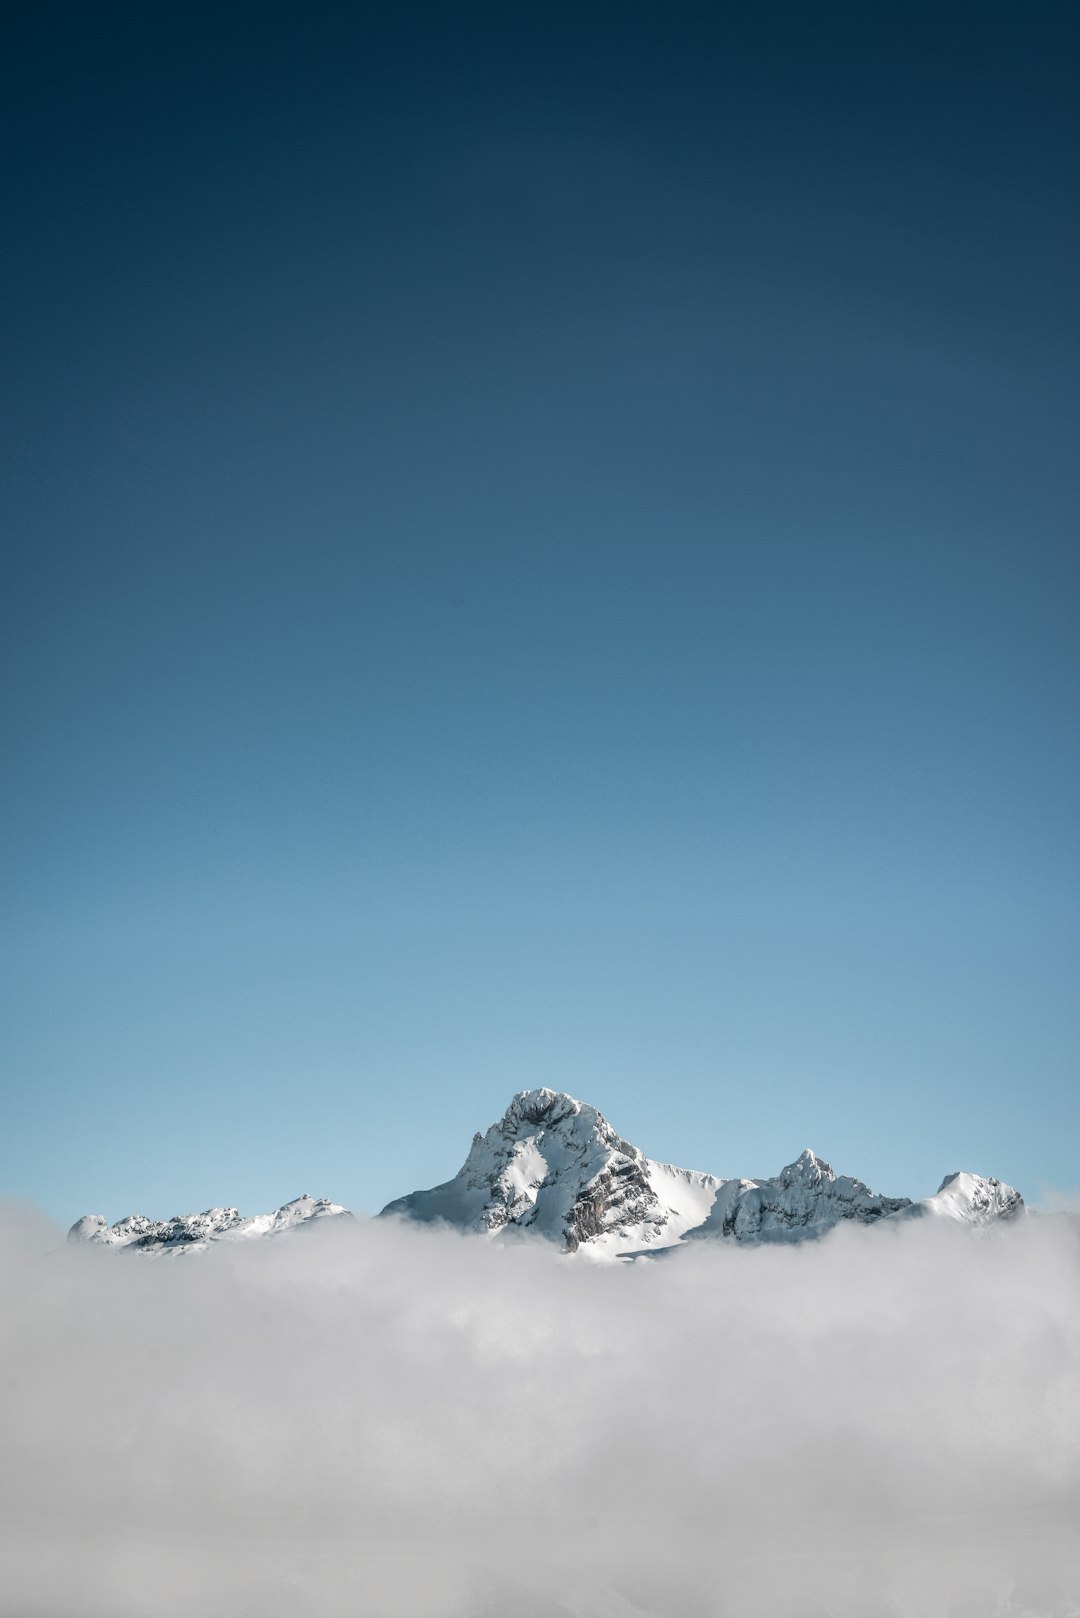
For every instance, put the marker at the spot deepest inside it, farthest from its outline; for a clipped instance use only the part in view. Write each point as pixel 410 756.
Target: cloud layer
pixel 366 1418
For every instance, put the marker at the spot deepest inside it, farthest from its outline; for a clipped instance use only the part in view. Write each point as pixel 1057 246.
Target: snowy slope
pixel 555 1167
pixel 804 1200
pixel 971 1199
pixel 192 1232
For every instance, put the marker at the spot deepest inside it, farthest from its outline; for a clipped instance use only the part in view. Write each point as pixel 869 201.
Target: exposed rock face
pixel 803 1200
pixel 619 1197
pixel 192 1232
pixel 555 1166
pixel 971 1199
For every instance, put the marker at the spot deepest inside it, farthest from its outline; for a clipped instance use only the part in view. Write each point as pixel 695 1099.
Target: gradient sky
pixel 539 548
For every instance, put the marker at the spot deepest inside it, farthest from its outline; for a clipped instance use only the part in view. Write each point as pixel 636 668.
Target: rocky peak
pixel 535 1115
pixel 192 1232
pixel 553 1165
pixel 537 1108
pixel 972 1199
pixel 803 1201
pixel 807 1170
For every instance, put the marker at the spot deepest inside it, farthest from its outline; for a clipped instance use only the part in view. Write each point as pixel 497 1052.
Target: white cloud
pixel 371 1419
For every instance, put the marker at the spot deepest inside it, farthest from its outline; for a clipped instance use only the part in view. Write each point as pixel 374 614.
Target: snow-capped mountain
pixel 553 1167
pixel 971 1199
pixel 192 1232
pixel 803 1200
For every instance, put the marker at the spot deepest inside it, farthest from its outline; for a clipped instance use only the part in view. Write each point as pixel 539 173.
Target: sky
pixel 538 548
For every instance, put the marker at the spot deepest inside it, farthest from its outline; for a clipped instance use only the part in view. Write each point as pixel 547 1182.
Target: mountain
pixel 193 1232
pixel 971 1199
pixel 804 1200
pixel 553 1167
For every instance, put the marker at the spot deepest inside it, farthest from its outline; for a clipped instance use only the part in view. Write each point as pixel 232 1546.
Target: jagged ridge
pixel 554 1167
pixel 192 1232
pixel 805 1199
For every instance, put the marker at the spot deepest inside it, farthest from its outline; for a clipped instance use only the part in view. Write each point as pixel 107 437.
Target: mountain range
pixel 553 1167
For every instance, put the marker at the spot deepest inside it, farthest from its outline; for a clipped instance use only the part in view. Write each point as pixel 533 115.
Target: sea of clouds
pixel 364 1418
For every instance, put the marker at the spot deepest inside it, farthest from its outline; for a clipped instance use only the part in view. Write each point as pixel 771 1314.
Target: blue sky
pixel 540 549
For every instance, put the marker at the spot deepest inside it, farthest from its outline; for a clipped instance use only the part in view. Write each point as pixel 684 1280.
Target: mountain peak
pixel 533 1113
pixel 194 1231
pixel 553 1165
pixel 973 1199
pixel 803 1201
pixel 807 1169
pixel 540 1108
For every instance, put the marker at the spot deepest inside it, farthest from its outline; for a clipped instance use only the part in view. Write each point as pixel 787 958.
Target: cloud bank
pixel 366 1418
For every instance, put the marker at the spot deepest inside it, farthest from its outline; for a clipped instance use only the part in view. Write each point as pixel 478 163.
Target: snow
pixel 971 1199
pixel 185 1233
pixel 802 1202
pixel 553 1167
